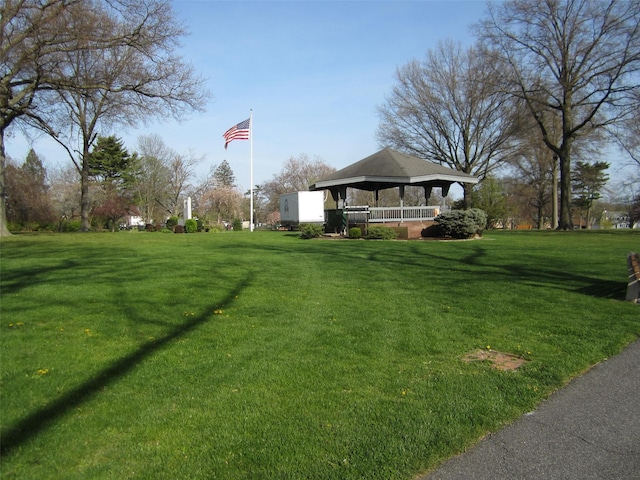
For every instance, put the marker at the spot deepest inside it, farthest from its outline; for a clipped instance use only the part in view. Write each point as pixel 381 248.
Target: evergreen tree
pixel 110 162
pixel 588 179
pixel 223 175
pixel 114 169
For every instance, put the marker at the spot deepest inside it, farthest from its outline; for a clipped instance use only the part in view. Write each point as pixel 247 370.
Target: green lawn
pixel 262 356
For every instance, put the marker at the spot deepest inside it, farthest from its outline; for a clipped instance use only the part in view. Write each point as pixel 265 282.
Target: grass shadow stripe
pixel 41 419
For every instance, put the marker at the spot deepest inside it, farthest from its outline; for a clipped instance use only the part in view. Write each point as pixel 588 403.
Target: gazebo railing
pixel 399 214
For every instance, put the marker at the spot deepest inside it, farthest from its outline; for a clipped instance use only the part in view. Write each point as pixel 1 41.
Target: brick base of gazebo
pixel 405 230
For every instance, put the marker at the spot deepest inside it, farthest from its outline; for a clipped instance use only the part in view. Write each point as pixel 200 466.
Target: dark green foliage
pixel 355 232
pixel 311 230
pixel 377 232
pixel 462 223
pixel 237 225
pixel 172 222
pixel 69 226
pixel 110 162
pixel 479 217
pixel 223 175
pixel 432 231
pixel 191 225
pixel 115 170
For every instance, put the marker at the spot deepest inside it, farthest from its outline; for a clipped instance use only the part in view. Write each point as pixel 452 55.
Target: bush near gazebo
pixel 379 232
pixel 458 224
pixel 355 232
pixel 311 230
pixel 191 225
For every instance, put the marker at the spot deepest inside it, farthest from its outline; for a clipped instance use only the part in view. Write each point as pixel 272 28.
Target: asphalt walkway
pixel 588 430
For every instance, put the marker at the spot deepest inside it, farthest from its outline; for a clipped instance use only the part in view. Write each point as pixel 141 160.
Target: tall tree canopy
pixel 30 42
pixel 447 109
pixel 92 65
pixel 574 62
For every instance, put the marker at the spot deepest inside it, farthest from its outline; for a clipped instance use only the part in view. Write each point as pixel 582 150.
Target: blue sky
pixel 313 72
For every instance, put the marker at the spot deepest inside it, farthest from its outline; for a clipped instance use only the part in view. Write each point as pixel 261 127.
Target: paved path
pixel 588 430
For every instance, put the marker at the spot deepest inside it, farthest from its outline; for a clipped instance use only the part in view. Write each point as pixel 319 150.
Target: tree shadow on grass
pixel 476 257
pixel 41 419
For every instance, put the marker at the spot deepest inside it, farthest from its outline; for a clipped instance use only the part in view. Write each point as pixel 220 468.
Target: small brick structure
pixel 633 286
pixel 414 229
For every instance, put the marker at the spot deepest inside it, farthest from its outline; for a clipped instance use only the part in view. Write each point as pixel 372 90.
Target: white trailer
pixel 301 207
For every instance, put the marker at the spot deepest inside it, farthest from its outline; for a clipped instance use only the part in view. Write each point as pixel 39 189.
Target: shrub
pixel 480 218
pixel 237 225
pixel 191 225
pixel 178 229
pixel 462 223
pixel 355 232
pixel 378 232
pixel 69 226
pixel 14 227
pixel 172 222
pixel 432 231
pixel 311 230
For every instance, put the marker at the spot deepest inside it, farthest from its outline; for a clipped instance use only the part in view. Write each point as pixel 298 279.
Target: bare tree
pixel 571 61
pixel 297 174
pixel 118 66
pixel 221 203
pixel 627 133
pixel 152 184
pixel 65 193
pixel 30 42
pixel 446 109
pixel 181 169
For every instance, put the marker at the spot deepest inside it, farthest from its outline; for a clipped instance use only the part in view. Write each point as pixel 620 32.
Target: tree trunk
pixel 466 199
pixel 4 231
pixel 540 214
pixel 565 222
pixel 85 203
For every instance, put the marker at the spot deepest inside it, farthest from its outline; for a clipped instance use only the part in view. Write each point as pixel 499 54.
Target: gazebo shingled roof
pixel 387 169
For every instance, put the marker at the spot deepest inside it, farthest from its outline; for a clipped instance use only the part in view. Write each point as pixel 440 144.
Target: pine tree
pixel 223 175
pixel 588 179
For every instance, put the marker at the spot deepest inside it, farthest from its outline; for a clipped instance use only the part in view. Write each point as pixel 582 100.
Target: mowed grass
pixel 263 356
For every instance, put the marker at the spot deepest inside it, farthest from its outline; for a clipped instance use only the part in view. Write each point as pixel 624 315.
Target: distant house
pixel 618 219
pixel 133 218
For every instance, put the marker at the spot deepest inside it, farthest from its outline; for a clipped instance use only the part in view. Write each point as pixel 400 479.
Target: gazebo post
pixel 401 187
pixel 427 194
pixel 338 194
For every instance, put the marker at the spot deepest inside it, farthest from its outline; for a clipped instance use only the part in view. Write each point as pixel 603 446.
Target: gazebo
pixel 390 169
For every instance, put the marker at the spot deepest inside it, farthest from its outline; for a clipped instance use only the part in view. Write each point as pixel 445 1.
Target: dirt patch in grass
pixel 499 360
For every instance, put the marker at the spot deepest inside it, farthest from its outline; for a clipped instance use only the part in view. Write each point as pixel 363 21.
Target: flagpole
pixel 251 173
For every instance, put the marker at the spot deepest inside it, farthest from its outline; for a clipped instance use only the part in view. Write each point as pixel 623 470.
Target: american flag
pixel 237 132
